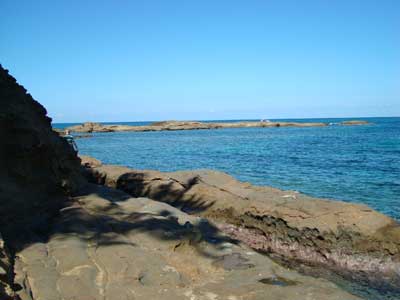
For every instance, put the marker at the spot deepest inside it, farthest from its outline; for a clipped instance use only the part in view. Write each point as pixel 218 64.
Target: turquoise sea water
pixel 351 163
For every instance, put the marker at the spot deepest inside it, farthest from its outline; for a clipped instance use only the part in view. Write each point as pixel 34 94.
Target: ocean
pixel 358 164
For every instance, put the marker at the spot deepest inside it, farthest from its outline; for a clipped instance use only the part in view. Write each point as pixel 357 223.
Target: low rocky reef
pixel 350 239
pixel 354 122
pixel 191 125
pixel 6 273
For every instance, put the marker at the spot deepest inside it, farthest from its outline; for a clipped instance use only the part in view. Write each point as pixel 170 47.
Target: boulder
pixel 89 162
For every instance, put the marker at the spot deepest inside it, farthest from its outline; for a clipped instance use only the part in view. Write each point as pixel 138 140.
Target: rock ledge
pixel 351 239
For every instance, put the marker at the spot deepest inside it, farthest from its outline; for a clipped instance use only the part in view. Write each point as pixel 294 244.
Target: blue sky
pixel 154 60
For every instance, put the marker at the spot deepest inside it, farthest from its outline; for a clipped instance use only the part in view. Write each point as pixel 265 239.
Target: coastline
pixel 65 238
pixel 89 127
pixel 351 240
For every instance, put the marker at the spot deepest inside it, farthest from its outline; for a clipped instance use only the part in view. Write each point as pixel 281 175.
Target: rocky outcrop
pixel 107 246
pixel 191 125
pixel 93 127
pixel 38 169
pixel 355 122
pixel 350 239
pixel 89 162
pixel 183 125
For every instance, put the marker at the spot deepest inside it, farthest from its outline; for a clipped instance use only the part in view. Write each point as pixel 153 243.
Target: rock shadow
pixel 169 191
pixel 106 223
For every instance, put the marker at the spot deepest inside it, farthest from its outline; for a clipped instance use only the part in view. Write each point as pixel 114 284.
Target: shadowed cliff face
pixel 37 167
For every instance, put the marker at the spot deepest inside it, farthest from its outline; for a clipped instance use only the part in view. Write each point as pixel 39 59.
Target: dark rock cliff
pixel 37 167
pixel 38 171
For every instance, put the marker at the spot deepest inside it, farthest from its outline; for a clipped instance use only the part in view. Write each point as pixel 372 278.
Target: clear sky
pixel 154 60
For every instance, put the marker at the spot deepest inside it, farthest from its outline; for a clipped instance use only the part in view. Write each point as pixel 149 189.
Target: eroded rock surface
pixel 107 245
pixel 349 238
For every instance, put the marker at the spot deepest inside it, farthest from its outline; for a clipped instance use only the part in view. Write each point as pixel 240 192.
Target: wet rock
pixel 90 127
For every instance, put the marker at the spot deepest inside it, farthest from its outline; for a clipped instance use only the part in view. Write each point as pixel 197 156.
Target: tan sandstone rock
pixel 109 246
pixel 349 238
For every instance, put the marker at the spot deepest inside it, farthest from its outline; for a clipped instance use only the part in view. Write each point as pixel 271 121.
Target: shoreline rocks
pixel 67 239
pixel 107 245
pixel 90 127
pixel 351 239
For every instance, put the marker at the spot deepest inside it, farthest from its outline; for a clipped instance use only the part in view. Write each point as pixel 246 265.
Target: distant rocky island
pixel 194 125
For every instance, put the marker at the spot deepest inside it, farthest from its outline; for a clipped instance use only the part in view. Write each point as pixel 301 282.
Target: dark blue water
pixel 351 163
